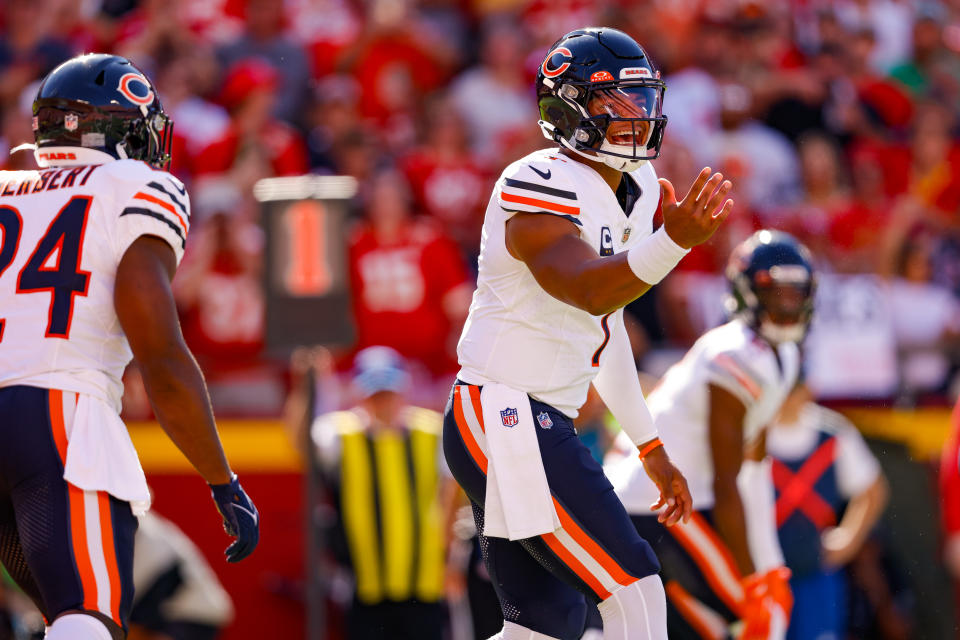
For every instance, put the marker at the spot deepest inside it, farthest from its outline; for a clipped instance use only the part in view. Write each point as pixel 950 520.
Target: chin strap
pixel 551 133
pixel 26 146
pixel 780 333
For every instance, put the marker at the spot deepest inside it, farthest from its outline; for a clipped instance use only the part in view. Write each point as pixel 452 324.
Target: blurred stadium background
pixel 836 119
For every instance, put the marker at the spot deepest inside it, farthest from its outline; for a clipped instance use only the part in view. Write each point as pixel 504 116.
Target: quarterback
pixel 88 245
pixel 571 235
pixel 723 568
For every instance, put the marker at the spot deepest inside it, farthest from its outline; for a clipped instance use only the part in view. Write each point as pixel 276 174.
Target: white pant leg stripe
pixel 98 560
pixel 69 403
pixel 591 565
pixel 473 423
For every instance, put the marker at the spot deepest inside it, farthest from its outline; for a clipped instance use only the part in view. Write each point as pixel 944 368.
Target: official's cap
pixel 378 369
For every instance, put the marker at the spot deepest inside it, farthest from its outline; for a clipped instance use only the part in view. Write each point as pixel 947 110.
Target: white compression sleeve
pixel 636 611
pixel 755 483
pixel 619 386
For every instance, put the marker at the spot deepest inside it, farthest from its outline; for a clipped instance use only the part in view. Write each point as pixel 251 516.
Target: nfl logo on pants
pixel 509 417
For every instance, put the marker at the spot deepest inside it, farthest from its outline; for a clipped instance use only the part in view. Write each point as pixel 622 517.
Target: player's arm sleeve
pixel 523 189
pixel 159 206
pixel 619 387
pixel 755 483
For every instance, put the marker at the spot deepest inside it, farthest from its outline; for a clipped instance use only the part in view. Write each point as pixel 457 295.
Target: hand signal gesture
pixel 694 219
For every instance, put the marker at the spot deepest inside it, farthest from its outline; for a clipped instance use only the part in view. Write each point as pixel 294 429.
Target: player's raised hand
pixel 240 518
pixel 674 493
pixel 694 219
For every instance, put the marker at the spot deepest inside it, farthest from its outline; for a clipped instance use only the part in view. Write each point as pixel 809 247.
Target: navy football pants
pixel 542 582
pixel 68 549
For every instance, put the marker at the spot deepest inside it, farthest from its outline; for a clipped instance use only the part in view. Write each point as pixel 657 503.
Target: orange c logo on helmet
pixel 132 93
pixel 553 73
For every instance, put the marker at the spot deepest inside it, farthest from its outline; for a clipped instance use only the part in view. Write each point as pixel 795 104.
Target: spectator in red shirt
pixel 825 194
pixel 410 289
pixel 856 230
pixel 265 40
pixel 219 294
pixel 183 77
pixel 395 64
pixel 447 182
pixel 494 97
pixel 253 136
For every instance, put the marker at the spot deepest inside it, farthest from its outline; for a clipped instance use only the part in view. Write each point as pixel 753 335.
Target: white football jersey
pixel 519 335
pixel 63 231
pixel 734 358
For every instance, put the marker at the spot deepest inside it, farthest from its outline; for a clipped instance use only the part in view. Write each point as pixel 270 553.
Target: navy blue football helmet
pixel 772 284
pixel 601 96
pixel 102 102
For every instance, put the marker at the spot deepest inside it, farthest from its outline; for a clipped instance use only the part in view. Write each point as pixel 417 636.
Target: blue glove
pixel 240 518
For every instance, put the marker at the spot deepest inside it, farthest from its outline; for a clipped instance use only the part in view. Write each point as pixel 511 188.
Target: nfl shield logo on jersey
pixel 70 122
pixel 544 419
pixel 509 417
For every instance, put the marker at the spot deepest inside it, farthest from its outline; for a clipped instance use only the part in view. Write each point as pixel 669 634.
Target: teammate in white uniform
pixel 88 245
pixel 710 408
pixel 570 236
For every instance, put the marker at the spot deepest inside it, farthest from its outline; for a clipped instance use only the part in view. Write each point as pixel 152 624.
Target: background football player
pixel 725 565
pixel 571 235
pixel 88 246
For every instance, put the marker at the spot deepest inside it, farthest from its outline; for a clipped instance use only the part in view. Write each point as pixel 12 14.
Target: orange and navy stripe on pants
pixel 73 549
pixel 91 526
pixel 597 546
pixel 701 579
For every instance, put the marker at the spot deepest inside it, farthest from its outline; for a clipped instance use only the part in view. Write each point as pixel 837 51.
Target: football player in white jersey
pixel 723 568
pixel 88 245
pixel 570 236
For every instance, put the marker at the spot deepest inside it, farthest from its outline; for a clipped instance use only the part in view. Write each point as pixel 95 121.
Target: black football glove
pixel 240 518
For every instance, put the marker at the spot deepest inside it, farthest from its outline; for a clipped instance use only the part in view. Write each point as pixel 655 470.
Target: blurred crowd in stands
pixel 837 120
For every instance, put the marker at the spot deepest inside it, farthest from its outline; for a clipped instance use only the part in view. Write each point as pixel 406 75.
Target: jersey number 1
pixel 62 243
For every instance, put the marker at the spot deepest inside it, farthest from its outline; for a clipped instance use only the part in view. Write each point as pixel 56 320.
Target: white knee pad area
pixel 513 631
pixel 77 626
pixel 636 611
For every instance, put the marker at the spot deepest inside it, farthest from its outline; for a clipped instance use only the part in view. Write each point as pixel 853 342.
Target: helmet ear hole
pixel 100 78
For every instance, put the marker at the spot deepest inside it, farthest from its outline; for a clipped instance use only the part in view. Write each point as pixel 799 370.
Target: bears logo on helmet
pixel 551 71
pixel 128 92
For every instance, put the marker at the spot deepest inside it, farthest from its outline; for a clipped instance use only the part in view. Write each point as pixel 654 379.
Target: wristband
pixel 655 257
pixel 650 447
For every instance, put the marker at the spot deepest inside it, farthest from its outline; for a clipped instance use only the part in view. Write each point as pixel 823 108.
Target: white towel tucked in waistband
pixel 101 457
pixel 518 502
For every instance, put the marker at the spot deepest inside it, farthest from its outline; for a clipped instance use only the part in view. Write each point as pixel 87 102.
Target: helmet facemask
pixel 778 302
pixel 618 123
pixel 149 139
pixel 784 312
